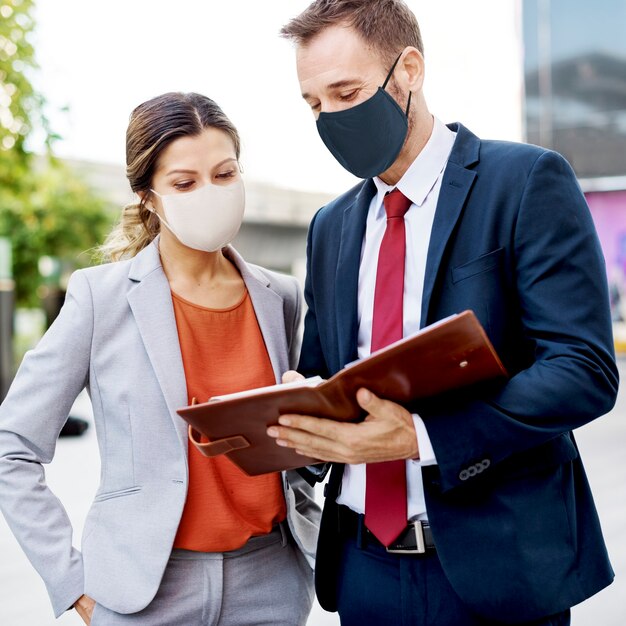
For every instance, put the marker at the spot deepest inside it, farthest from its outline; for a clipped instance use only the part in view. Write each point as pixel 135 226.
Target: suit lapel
pixel 151 303
pixel 455 187
pixel 347 275
pixel 268 308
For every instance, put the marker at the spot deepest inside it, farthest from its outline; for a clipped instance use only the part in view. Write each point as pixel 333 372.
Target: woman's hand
pixel 84 607
pixel 290 376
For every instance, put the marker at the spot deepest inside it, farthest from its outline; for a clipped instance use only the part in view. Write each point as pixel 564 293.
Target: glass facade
pixel 575 82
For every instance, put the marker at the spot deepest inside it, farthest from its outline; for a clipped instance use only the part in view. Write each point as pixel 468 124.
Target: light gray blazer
pixel 116 335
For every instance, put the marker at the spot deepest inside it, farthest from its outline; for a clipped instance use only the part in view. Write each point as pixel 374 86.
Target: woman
pixel 172 537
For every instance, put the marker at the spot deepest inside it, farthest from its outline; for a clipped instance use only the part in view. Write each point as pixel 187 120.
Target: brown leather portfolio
pixel 447 355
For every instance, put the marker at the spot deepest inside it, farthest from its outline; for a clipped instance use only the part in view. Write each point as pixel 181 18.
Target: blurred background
pixel 550 72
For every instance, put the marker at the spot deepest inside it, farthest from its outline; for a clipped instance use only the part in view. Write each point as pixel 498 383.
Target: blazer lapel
pixel 347 276
pixel 455 187
pixel 268 308
pixel 151 303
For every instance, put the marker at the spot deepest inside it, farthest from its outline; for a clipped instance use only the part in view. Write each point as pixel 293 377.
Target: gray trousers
pixel 266 582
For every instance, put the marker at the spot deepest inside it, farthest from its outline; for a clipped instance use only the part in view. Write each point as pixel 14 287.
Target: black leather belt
pixel 415 539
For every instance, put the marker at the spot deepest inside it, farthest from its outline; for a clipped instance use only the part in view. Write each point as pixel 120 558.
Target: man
pixel 495 522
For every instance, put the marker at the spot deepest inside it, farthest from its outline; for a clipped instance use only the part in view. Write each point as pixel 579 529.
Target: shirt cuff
pixel 427 454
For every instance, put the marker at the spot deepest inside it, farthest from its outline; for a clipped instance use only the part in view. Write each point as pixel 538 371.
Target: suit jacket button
pixel 484 464
pixel 464 475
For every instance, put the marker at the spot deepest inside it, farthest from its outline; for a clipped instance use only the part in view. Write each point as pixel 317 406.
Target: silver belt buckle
pixel 419 541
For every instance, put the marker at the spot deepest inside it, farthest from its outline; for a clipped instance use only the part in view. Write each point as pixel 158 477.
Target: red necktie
pixel 385 487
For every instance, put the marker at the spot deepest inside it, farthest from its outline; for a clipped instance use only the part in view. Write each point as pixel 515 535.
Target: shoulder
pixel 512 167
pixel 501 158
pixel 495 148
pixel 332 213
pixel 116 270
pixel 510 153
pixel 520 167
pixel 514 159
pixel 285 285
pixel 104 279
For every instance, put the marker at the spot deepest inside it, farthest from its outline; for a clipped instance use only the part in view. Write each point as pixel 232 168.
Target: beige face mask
pixel 205 219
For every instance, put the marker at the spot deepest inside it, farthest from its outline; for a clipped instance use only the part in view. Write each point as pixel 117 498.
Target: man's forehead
pixel 337 54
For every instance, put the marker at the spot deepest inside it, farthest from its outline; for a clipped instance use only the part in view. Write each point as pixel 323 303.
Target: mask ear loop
pixel 161 219
pixel 393 67
pixel 149 204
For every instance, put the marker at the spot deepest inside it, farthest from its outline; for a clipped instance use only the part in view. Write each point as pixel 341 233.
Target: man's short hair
pixel 387 25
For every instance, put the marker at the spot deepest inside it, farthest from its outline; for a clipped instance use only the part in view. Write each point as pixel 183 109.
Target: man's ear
pixel 411 70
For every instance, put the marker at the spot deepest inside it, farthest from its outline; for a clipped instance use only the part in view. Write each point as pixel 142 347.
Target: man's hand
pixel 386 434
pixel 84 607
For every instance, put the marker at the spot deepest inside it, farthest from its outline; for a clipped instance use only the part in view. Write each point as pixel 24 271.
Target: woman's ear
pixel 146 198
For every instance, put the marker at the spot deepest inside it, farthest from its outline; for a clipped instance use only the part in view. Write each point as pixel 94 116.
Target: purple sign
pixel 608 209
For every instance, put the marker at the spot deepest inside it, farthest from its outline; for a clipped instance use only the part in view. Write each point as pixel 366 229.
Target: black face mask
pixel 367 138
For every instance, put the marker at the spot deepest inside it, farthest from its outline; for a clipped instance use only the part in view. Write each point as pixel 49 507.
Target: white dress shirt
pixel 421 184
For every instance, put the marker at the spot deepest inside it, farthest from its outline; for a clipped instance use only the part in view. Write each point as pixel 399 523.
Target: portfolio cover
pixel 444 356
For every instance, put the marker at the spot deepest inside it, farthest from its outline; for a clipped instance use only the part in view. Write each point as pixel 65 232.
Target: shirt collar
pixel 419 180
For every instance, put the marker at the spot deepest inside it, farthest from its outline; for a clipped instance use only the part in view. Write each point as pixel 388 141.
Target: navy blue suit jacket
pixel 514 241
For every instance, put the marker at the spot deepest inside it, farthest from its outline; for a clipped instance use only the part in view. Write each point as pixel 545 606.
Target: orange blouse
pixel 223 352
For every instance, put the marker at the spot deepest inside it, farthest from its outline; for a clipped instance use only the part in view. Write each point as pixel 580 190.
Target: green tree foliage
pixel 44 208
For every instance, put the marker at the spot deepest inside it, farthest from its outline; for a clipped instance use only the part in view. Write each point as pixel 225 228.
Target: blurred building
pixel 575 103
pixel 275 224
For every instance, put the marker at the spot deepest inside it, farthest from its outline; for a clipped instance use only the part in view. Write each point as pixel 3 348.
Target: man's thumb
pixel 367 400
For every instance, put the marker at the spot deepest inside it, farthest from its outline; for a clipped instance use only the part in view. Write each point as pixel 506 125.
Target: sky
pixel 101 59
